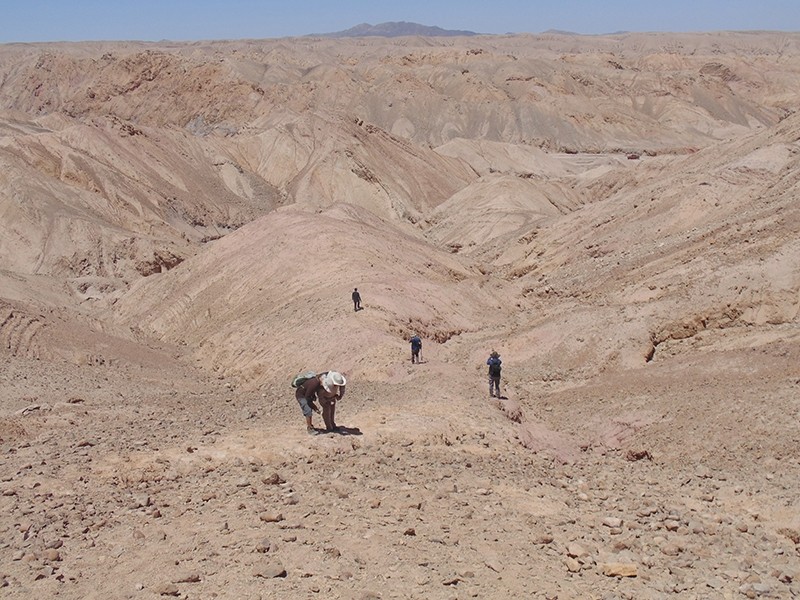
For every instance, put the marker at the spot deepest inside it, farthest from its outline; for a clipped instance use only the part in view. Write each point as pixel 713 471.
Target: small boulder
pixel 270 571
pixel 271 517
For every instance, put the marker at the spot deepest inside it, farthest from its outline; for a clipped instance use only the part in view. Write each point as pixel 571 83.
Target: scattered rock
pixel 619 570
pixel 792 534
pixel 576 551
pixel 573 566
pixel 44 572
pixel 51 554
pixel 703 472
pixel 671 525
pixel 274 479
pixel 167 589
pixel 140 501
pixel 271 517
pixel 270 571
pixel 634 455
pixel 670 549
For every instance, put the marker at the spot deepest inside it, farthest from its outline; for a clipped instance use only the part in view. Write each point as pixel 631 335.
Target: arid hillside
pixel 182 225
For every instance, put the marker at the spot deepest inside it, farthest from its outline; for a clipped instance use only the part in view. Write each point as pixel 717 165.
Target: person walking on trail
pixel 494 363
pixel 416 347
pixel 356 300
pixel 326 388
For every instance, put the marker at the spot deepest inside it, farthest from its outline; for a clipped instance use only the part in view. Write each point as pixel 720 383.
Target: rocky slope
pixel 182 225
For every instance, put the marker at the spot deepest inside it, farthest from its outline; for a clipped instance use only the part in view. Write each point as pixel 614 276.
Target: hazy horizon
pixel 184 20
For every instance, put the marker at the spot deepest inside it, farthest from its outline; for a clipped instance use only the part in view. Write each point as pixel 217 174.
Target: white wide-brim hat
pixel 331 379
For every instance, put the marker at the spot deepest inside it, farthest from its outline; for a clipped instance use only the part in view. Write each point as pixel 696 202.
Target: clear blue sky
pixel 152 20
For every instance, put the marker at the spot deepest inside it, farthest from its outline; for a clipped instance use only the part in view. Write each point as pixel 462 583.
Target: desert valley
pixel 182 225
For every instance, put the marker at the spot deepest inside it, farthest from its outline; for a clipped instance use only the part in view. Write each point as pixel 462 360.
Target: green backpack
pixel 300 379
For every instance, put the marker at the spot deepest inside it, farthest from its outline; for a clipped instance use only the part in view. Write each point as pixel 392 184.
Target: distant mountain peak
pixel 395 29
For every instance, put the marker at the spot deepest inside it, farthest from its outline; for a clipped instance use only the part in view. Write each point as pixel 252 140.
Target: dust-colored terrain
pixel 181 226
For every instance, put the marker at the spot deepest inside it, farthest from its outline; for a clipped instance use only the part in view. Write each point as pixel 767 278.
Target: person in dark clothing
pixel 416 346
pixel 326 388
pixel 494 363
pixel 356 300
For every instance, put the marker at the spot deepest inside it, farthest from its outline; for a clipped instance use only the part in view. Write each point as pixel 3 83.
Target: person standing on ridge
pixel 356 300
pixel 494 363
pixel 416 346
pixel 327 388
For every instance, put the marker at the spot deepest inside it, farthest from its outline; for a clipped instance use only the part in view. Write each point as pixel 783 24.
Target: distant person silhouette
pixel 494 363
pixel 356 300
pixel 416 346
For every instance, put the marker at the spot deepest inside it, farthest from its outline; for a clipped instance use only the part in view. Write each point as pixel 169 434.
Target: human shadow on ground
pixel 341 430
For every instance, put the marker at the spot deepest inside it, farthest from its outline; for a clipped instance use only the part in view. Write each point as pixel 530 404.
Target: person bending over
pixel 325 388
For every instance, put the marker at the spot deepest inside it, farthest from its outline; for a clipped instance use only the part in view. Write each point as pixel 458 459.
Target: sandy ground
pixel 139 482
pixel 181 226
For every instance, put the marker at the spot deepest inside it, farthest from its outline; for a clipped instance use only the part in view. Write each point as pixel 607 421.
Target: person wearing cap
pixel 326 388
pixel 494 363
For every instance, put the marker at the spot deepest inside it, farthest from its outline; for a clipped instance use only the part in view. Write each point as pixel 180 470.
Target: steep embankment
pixel 107 199
pixel 625 92
pixel 708 245
pixel 318 159
pixel 274 297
